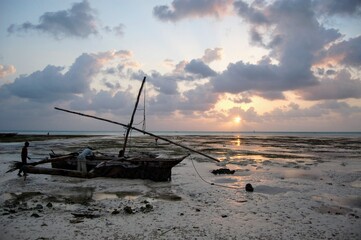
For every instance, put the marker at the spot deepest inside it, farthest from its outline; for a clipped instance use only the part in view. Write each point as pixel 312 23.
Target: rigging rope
pixel 214 184
pixel 145 88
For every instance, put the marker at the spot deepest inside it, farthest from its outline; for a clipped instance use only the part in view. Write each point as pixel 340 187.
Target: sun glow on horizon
pixel 237 120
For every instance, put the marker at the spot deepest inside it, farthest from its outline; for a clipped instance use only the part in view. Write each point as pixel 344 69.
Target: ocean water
pixel 180 133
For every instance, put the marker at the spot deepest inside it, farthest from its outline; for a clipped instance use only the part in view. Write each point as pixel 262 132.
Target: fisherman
pixel 82 159
pixel 24 157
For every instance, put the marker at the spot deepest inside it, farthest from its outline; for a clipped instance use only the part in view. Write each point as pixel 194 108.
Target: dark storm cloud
pixel 78 21
pixel 199 68
pixel 181 9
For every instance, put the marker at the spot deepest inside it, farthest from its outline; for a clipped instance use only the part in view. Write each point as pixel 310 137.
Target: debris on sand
pixel 249 187
pixel 223 171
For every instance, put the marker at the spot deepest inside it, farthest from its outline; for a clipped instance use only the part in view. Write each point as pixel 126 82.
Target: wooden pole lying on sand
pixel 139 130
pixel 56 171
pixel 18 165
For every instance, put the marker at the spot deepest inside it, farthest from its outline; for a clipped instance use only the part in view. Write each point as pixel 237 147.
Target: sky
pixel 210 65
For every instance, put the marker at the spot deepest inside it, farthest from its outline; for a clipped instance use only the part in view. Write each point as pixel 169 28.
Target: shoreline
pixel 40 137
pixel 43 136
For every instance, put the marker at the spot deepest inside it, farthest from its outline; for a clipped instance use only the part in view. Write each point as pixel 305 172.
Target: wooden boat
pixel 141 166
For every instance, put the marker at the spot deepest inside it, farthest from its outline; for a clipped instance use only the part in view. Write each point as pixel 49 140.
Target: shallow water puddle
pixel 271 190
pixel 15 198
pixel 348 201
pixel 303 174
pixel 97 196
pixel 334 210
pixel 356 184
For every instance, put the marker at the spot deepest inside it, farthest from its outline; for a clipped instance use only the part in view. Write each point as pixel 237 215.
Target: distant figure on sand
pixel 82 159
pixel 156 141
pixel 24 157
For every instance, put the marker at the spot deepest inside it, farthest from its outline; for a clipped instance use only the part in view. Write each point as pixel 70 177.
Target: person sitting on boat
pixel 24 157
pixel 82 159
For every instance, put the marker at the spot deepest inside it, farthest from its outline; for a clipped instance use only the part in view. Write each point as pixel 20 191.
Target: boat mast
pixel 129 127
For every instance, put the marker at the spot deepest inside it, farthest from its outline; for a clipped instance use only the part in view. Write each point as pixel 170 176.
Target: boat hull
pixel 156 169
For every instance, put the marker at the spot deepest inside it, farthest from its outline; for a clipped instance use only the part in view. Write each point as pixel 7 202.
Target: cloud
pixel 293 116
pixel 52 83
pixel 289 30
pixel 252 12
pixel 78 21
pixel 199 68
pixel 181 9
pixel 166 84
pixel 340 87
pixel 346 52
pixel 265 77
pixel 271 95
pixel 242 98
pixel 211 55
pixel 45 85
pixel 198 99
pixel 163 104
pixel 6 70
pixel 104 102
pixel 293 36
pixel 117 30
pixel 344 7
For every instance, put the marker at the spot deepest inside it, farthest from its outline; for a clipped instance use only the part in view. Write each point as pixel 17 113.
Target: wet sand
pixel 304 188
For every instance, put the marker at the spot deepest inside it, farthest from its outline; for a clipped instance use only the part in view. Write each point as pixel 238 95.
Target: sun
pixel 237 119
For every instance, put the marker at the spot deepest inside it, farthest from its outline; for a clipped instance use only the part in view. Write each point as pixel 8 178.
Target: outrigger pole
pixel 139 130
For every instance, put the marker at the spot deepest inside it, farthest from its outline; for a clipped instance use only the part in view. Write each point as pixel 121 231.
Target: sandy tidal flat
pixel 304 188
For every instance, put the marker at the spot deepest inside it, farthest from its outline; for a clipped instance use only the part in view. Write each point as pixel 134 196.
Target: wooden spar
pixel 56 171
pixel 50 160
pixel 132 118
pixel 139 130
pixel 19 165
